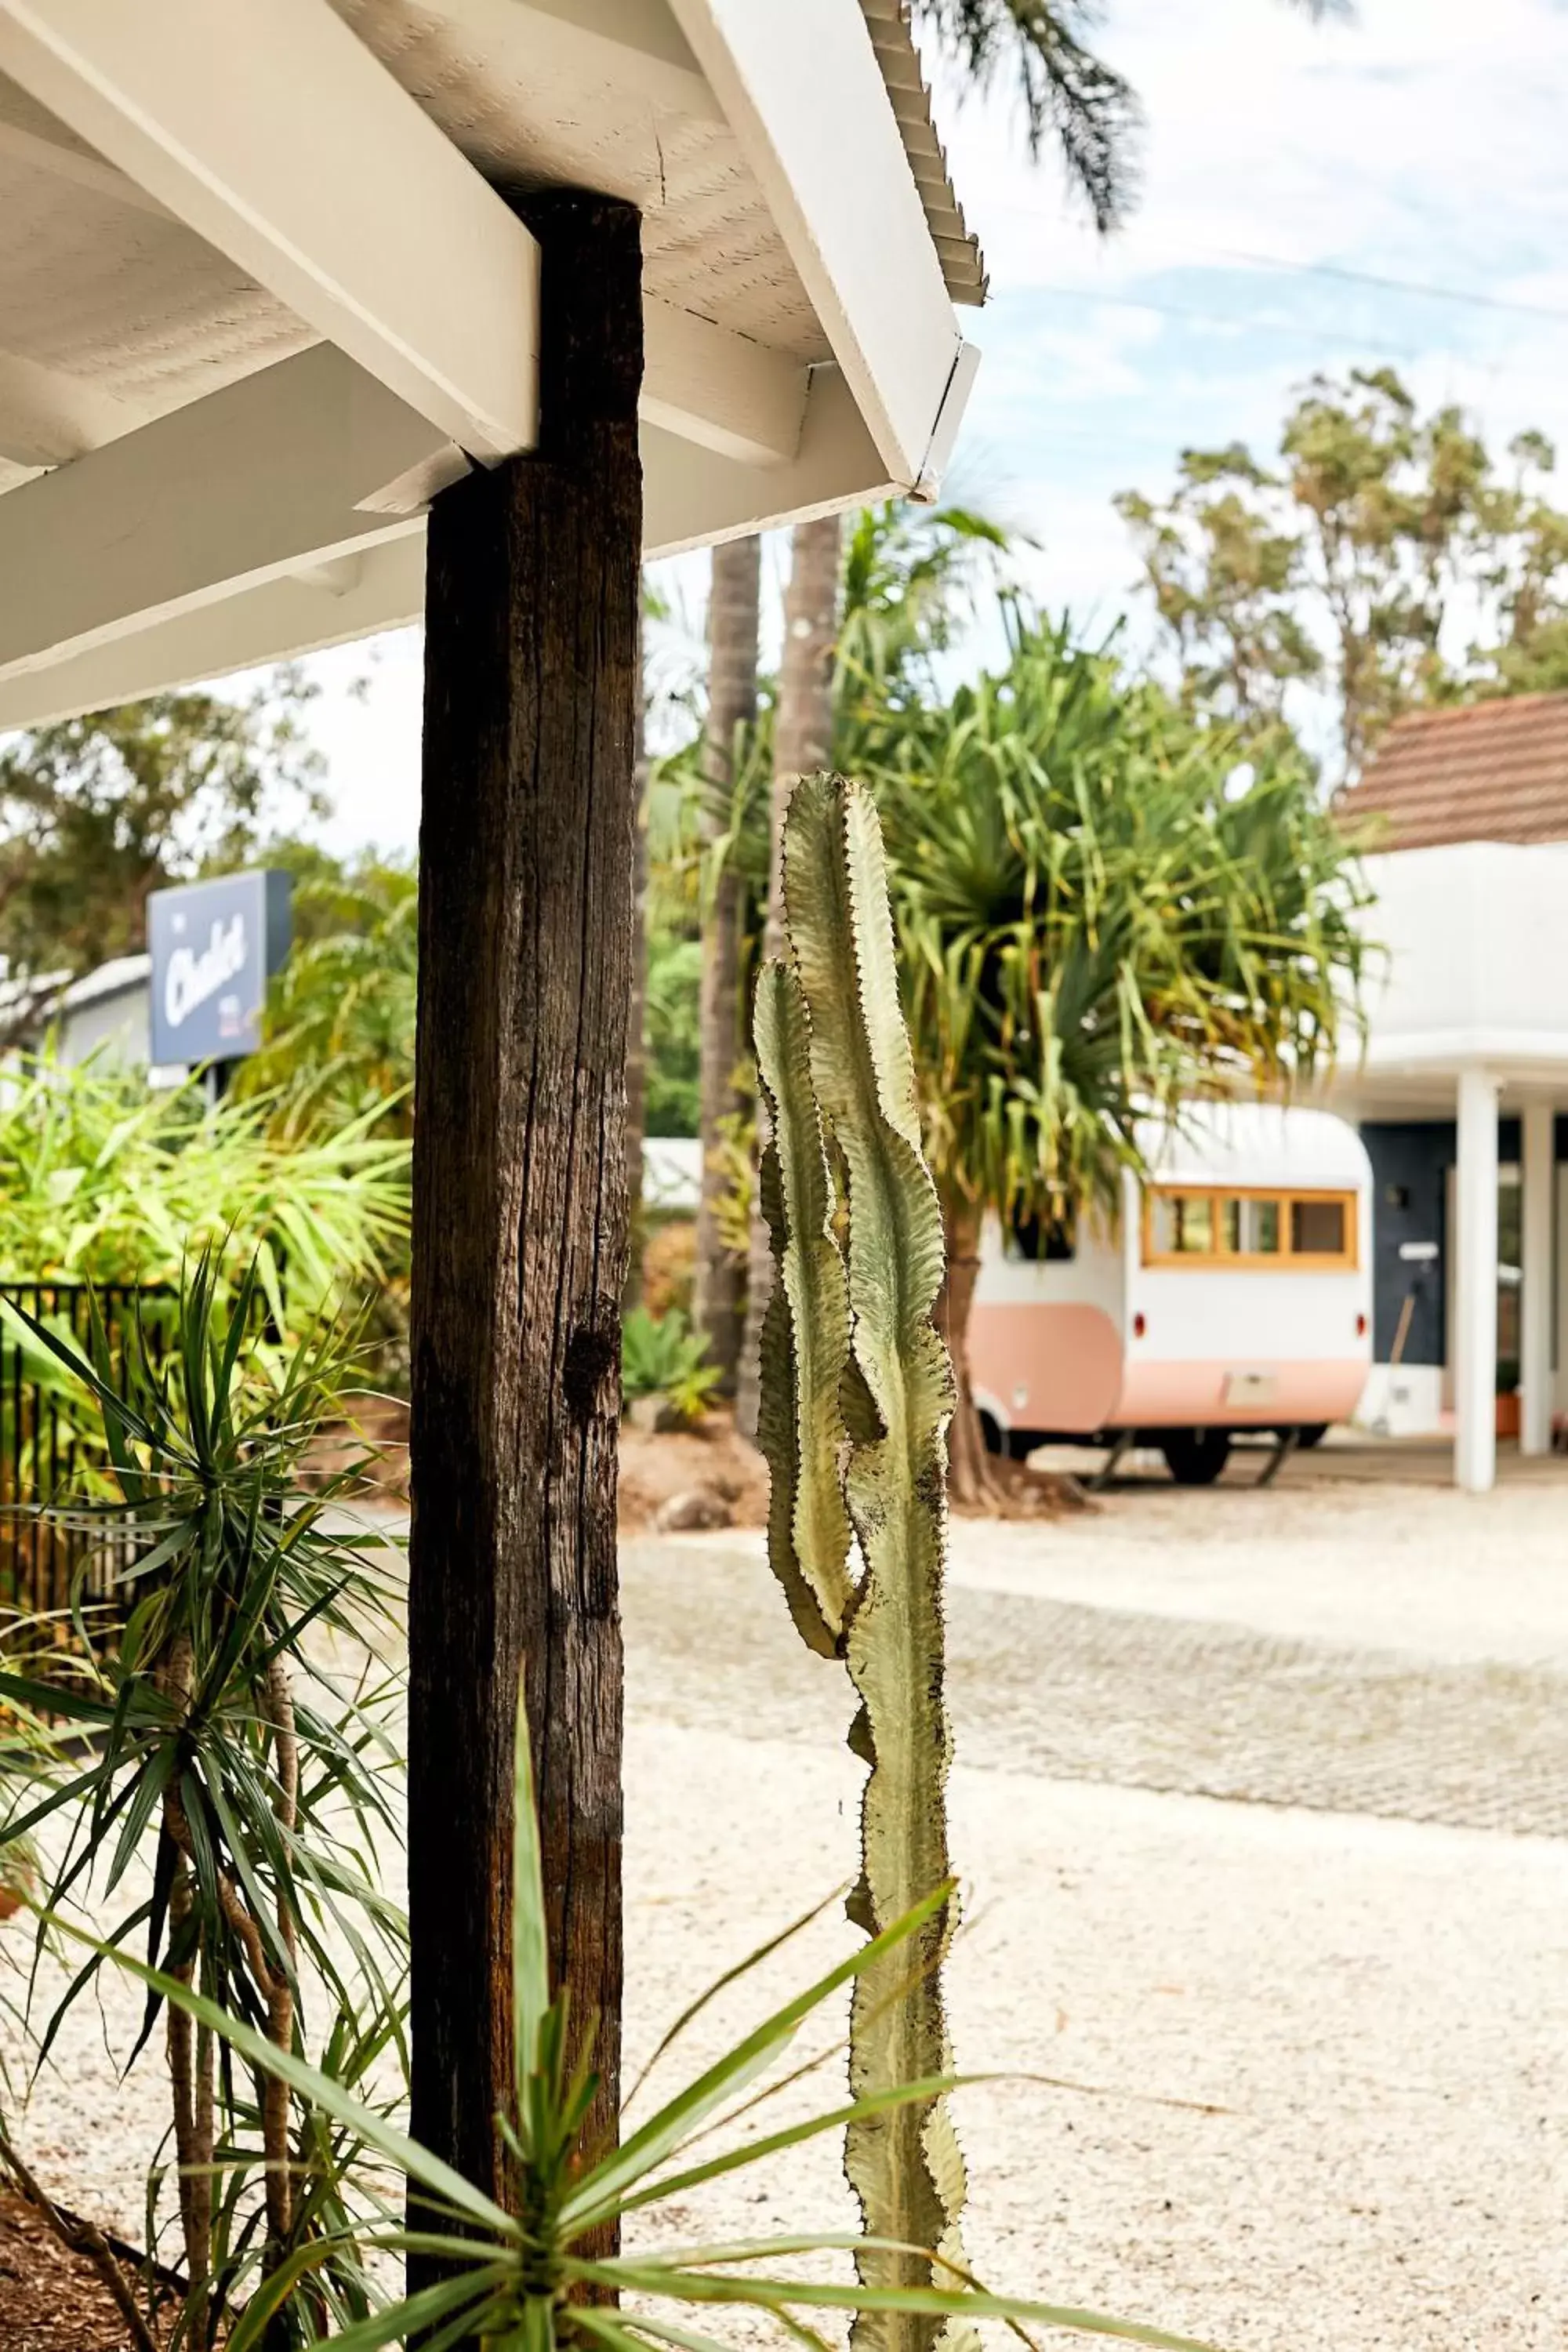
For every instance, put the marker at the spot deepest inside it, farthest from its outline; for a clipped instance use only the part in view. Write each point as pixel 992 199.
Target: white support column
pixel 1475 1286
pixel 1539 1173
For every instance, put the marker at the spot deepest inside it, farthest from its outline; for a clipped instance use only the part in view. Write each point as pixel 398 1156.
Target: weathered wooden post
pixel 520 1184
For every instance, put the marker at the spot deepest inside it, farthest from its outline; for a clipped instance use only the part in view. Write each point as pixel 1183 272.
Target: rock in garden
pixel 652 1416
pixel 694 1508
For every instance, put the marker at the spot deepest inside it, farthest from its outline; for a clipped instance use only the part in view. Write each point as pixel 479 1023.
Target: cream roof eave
pixel 324 166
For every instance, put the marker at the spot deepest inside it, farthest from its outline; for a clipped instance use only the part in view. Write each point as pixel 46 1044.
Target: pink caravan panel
pixel 1193 1395
pixel 1055 1368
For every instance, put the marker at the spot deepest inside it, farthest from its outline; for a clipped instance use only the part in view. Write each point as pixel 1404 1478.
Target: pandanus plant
pixel 538 2276
pixel 856 1395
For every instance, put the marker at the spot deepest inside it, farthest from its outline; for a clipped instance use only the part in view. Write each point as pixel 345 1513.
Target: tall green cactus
pixel 857 1395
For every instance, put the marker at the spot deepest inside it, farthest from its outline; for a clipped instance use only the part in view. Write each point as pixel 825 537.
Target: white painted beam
pixel 1475 1285
pixel 1538 1281
pixel 692 497
pixel 803 92
pixel 950 416
pixel 721 390
pixel 306 461
pixel 47 418
pixel 269 128
pixel 49 150
pixel 606 41
pixel 334 595
pixel 381 587
pixel 725 391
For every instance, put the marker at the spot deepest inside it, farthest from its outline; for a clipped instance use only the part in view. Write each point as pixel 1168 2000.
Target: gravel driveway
pixel 1262 1807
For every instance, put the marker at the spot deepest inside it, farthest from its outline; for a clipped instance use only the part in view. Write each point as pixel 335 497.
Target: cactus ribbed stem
pixel 858 1394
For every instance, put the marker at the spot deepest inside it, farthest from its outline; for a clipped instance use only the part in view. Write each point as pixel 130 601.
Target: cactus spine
pixel 857 1395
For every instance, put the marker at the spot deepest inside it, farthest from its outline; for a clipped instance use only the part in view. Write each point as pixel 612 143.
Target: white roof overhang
pixel 1470 970
pixel 259 298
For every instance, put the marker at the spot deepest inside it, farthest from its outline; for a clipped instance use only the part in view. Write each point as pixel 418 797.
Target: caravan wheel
pixel 1194 1457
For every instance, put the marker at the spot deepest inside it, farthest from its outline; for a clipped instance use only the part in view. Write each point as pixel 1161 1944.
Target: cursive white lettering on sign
pixel 191 978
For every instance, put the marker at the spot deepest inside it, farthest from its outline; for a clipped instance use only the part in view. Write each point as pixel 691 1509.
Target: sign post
pixel 214 947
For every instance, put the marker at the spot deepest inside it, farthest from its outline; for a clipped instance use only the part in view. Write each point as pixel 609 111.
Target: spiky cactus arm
pixel 806 1332
pixel 898 1396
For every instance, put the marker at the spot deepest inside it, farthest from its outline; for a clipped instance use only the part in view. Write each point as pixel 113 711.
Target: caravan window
pixel 1318 1228
pixel 1181 1224
pixel 1251 1226
pixel 1188 1224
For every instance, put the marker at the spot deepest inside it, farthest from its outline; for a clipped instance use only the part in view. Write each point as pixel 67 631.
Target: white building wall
pixel 1471 962
pixel 116 1028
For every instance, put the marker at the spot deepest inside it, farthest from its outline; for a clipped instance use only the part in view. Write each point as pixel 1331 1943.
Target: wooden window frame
pixel 1285 1260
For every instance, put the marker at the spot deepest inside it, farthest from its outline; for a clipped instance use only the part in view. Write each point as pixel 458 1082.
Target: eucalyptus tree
pixel 99 811
pixel 1383 557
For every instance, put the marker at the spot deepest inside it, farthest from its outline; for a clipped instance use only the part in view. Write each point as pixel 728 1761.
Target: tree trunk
pixel 972 1482
pixel 519 1197
pixel 637 1043
pixel 731 704
pixel 802 742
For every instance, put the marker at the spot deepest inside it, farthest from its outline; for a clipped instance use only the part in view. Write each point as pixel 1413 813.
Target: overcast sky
pixel 1422 143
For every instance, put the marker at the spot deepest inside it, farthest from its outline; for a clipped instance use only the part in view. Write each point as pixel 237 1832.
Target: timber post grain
pixel 520 1192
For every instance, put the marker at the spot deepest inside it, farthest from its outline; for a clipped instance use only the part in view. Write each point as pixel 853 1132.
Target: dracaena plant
pixel 520 2280
pixel 232 1792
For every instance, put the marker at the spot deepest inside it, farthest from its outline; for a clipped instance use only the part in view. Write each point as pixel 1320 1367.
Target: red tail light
pixel 1139 1326
pixel 1361 1327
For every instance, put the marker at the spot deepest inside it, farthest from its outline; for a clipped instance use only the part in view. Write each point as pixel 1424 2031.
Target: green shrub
pixel 101 1181
pixel 662 1356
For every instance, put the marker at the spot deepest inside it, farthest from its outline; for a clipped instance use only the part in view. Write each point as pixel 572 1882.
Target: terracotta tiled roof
pixel 1488 772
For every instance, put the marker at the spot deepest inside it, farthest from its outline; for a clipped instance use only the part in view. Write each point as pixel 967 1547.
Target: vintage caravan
pixel 1233 1292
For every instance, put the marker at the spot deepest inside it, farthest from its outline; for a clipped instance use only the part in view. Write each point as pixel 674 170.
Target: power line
pixel 1379 280
pixel 1337 339
pixel 1342 339
pixel 1395 285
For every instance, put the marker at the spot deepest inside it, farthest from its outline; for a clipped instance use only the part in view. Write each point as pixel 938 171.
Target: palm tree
pixel 862 619
pixel 339 1037
pixel 1100 913
pixel 1065 89
pixel 802 741
pixel 636 1022
pixel 1067 92
pixel 732 708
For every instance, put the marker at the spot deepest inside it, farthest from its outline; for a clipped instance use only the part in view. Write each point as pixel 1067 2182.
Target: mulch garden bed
pixel 51 2300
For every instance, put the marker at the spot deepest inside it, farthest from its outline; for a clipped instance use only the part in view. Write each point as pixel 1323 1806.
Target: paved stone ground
pixel 1068 1691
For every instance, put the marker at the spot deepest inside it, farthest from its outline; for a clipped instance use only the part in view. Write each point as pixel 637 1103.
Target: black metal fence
pixel 48 1456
